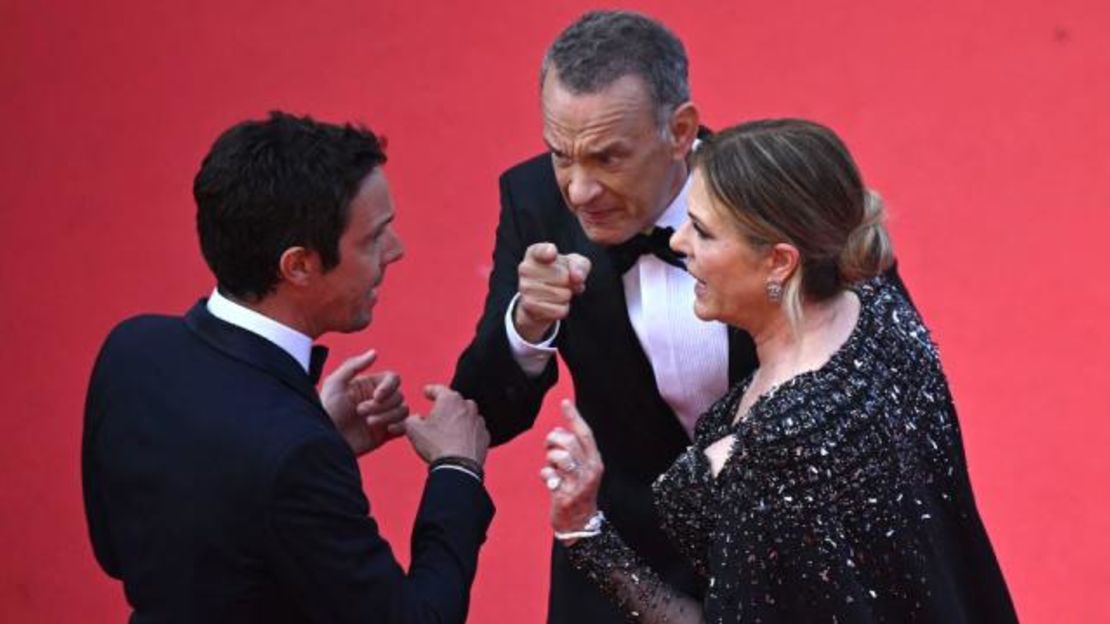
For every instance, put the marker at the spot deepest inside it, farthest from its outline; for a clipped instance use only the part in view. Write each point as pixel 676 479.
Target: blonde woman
pixel 830 485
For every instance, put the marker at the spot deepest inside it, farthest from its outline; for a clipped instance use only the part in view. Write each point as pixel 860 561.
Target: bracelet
pixel 461 462
pixel 593 527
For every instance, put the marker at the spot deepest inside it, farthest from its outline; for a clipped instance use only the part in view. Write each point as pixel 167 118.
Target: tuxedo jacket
pixel 217 489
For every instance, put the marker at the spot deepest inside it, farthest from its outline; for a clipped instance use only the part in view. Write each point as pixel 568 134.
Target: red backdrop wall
pixel 983 124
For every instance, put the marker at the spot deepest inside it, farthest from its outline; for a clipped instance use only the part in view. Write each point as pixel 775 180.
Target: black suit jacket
pixel 637 432
pixel 218 490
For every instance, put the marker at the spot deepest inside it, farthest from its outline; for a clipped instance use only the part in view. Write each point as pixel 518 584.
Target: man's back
pixel 219 485
pixel 218 490
pixel 182 445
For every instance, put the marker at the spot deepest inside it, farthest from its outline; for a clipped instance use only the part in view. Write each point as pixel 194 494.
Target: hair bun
pixel 868 251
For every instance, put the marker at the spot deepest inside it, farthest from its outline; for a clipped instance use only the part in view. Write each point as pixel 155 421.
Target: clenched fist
pixel 453 427
pixel 548 282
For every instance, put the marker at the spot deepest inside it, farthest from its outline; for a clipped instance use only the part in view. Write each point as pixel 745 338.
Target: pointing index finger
pixel 352 366
pixel 544 253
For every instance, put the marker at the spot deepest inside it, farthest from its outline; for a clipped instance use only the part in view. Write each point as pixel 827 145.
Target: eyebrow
pixel 377 229
pixel 551 147
pixel 693 217
pixel 615 146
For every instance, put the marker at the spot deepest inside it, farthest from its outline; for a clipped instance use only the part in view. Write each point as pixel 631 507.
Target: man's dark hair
pixel 269 185
pixel 603 46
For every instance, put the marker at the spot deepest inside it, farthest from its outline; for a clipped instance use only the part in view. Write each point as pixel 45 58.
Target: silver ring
pixel 571 466
pixel 553 483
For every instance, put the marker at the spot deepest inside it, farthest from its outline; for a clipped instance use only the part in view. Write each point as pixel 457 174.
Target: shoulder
pixel 131 341
pixel 145 327
pixel 893 323
pixel 531 171
pixel 530 186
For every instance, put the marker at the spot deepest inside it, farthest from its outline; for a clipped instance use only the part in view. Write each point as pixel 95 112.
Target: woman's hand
pixel 572 473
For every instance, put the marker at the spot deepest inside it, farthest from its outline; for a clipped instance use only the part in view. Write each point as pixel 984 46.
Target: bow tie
pixel 316 363
pixel 657 243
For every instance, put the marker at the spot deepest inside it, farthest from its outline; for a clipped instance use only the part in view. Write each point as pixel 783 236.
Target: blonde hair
pixel 793 181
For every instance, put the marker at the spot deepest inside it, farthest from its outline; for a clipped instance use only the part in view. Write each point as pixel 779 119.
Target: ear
pixel 683 126
pixel 297 265
pixel 782 262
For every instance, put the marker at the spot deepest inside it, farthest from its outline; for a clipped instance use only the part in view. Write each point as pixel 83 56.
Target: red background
pixel 983 124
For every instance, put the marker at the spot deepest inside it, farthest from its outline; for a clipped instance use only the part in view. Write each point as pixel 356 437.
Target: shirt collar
pixel 675 214
pixel 293 342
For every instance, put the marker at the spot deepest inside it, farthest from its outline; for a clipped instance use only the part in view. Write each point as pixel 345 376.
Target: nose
pixel 680 239
pixel 395 249
pixel 582 188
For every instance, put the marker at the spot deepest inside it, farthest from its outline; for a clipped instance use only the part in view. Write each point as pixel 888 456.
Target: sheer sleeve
pixel 630 582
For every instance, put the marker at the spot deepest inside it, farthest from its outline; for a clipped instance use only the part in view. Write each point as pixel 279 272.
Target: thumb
pixel 433 392
pixel 579 268
pixel 579 427
pixel 411 423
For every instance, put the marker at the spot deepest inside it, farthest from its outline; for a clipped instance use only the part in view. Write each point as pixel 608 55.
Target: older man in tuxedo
pixel 219 486
pixel 582 267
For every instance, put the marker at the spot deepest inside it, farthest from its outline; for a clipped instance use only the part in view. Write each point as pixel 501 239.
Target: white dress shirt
pixel 293 342
pixel 688 356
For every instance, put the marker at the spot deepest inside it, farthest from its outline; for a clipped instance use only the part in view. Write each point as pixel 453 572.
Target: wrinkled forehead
pixel 623 109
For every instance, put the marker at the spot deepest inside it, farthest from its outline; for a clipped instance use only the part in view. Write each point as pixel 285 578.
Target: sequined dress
pixel 845 497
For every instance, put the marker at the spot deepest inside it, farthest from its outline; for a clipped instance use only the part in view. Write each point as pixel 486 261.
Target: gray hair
pixel 602 47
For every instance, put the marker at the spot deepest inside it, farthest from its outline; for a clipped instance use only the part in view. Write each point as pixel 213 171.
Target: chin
pixel 358 323
pixel 605 235
pixel 703 313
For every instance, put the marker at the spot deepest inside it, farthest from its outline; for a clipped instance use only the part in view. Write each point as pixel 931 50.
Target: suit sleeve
pixel 92 481
pixel 486 372
pixel 329 554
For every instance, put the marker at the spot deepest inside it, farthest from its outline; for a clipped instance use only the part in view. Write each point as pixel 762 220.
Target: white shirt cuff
pixel 532 358
pixel 459 468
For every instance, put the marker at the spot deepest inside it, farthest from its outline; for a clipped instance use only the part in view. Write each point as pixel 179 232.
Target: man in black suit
pixel 582 266
pixel 219 486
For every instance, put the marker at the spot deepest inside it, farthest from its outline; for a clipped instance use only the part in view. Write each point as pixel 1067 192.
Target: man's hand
pixel 453 428
pixel 548 280
pixel 368 410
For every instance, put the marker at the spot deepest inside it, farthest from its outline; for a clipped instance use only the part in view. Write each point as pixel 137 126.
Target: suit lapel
pixel 251 349
pixel 604 301
pixel 603 310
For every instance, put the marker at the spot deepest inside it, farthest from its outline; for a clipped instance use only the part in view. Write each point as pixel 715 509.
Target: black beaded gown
pixel 845 497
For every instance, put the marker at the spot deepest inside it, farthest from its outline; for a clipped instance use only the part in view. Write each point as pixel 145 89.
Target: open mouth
pixel 700 287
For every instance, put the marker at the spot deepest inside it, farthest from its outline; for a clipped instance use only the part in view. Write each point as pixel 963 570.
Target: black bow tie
pixel 657 243
pixel 316 363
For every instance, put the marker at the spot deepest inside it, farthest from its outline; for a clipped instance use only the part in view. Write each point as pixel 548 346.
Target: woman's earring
pixel 774 291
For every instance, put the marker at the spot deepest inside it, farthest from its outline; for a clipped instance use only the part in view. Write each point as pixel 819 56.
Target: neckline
pixel 758 406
